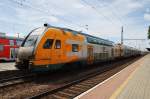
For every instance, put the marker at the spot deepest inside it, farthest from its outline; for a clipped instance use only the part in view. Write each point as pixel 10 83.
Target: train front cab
pixel 51 50
pixel 49 53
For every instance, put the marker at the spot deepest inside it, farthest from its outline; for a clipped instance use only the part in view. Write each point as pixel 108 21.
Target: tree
pixel 149 33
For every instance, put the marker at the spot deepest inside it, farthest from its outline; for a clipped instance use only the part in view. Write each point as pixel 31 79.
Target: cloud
pixel 135 5
pixel 53 19
pixel 147 16
pixel 78 6
pixel 106 22
pixel 147 10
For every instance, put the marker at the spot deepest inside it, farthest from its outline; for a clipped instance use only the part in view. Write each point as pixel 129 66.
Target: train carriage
pixel 102 49
pixel 50 48
pixel 9 47
pixel 123 51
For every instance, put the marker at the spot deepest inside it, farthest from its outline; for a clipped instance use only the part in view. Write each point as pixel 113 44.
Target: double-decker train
pixel 51 48
pixel 9 47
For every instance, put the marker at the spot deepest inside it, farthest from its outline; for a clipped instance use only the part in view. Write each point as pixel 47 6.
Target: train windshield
pixel 33 37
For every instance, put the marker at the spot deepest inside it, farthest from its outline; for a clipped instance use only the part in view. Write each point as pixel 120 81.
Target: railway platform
pixel 133 82
pixel 4 66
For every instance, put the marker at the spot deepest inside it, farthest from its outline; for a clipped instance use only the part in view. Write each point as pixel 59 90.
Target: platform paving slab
pixel 138 87
pixel 7 66
pixel 106 89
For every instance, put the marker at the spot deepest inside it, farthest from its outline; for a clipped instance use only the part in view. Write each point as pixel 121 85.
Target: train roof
pixel 90 38
pixel 126 46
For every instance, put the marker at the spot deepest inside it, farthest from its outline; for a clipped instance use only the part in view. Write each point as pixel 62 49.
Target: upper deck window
pixel 100 41
pixel 18 42
pixel 48 44
pixel 58 44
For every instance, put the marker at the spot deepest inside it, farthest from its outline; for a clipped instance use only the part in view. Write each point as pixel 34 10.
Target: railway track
pixel 12 73
pixel 8 73
pixel 76 87
pixel 6 82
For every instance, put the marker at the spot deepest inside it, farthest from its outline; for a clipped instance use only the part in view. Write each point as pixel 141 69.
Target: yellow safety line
pixel 121 87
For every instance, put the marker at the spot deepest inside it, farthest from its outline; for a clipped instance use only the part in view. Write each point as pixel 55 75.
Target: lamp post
pixel 18 35
pixel 122 35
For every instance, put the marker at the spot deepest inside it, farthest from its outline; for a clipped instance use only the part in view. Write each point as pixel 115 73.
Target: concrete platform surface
pixel 118 87
pixel 138 84
pixel 7 66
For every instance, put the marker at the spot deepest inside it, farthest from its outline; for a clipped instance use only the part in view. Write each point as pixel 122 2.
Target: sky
pixel 101 18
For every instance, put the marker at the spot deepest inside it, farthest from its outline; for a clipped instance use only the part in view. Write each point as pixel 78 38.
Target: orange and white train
pixel 51 48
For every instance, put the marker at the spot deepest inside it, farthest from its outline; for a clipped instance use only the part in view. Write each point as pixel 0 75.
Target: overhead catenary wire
pixel 112 11
pixel 84 26
pixel 25 4
pixel 98 12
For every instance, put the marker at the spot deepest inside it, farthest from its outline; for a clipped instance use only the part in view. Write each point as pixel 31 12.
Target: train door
pixel 112 52
pixel 58 51
pixel 90 55
pixel 16 51
pixel 1 50
pixel 12 50
pixel 12 54
pixel 44 53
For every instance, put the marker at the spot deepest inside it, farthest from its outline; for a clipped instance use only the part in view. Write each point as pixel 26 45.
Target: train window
pixel 19 42
pixel 1 47
pixel 104 49
pixel 30 41
pixel 33 37
pixel 58 44
pixel 11 42
pixel 75 47
pixel 48 44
